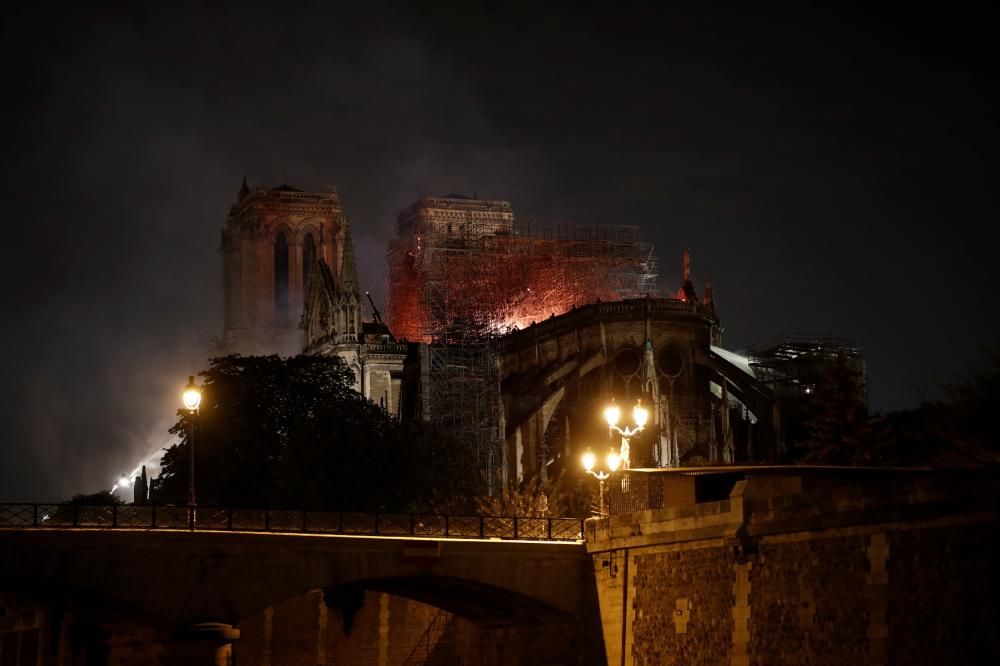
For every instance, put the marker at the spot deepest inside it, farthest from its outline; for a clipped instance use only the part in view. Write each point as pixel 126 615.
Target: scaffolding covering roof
pixel 455 273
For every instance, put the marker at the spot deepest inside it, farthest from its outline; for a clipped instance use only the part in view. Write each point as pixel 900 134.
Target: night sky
pixel 832 172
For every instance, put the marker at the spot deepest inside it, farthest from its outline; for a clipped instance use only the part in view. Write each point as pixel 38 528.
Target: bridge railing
pixel 62 516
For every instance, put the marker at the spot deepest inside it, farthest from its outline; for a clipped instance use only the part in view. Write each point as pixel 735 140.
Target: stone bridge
pixel 193 586
pixel 712 565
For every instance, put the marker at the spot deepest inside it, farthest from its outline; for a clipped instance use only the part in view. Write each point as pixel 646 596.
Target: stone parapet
pixel 626 310
pixel 805 565
pixel 786 500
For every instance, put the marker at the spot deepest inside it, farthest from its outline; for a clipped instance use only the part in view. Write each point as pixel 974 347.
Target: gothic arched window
pixel 624 379
pixel 281 303
pixel 308 260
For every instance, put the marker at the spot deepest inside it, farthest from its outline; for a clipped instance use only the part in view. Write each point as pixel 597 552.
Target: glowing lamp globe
pixel 589 460
pixel 613 461
pixel 192 395
pixel 640 415
pixel 612 414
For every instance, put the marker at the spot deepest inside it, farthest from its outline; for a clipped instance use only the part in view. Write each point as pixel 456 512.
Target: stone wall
pixel 387 630
pixel 943 585
pixel 808 601
pixel 383 630
pixel 679 618
pixel 805 570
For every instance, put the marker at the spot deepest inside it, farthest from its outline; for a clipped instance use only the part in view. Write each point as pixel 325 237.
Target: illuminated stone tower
pixel 271 244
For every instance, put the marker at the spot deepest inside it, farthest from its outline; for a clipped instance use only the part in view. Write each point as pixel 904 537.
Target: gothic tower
pixel 271 244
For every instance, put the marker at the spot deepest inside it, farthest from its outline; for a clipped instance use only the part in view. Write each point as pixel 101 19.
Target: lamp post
pixel 191 399
pixel 612 460
pixel 612 414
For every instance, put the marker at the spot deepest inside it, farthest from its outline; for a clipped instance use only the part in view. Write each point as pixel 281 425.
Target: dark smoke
pixel 832 173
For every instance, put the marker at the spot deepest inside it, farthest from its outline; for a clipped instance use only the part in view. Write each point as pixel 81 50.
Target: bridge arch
pixel 178 578
pixel 471 600
pixel 183 588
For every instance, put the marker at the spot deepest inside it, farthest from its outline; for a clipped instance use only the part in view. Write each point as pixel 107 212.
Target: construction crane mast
pixel 376 315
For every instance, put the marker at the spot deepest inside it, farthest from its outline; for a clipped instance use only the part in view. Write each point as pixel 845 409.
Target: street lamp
pixel 191 399
pixel 612 460
pixel 612 414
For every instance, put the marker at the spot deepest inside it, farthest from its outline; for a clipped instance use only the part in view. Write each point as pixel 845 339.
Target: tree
pixel 958 428
pixel 65 513
pixel 837 427
pixel 433 467
pixel 533 497
pixel 292 433
pixel 100 498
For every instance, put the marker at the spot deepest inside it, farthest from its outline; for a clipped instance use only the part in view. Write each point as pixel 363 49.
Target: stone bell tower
pixel 271 243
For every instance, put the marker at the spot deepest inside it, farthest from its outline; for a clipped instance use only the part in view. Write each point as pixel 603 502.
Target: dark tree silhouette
pixel 838 429
pixel 67 511
pixel 960 427
pixel 100 498
pixel 562 496
pixel 291 433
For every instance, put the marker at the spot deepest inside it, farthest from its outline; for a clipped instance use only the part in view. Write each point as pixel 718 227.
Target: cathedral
pixel 512 337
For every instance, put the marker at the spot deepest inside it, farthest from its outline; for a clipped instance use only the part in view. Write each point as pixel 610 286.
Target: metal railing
pixel 631 492
pixel 62 516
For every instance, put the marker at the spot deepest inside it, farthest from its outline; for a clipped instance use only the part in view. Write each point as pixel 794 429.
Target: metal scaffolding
pixel 793 365
pixel 464 392
pixel 462 273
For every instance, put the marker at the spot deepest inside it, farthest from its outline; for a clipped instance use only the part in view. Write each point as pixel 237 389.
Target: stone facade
pixel 806 566
pixel 558 375
pixel 270 241
pixel 331 320
pixel 290 286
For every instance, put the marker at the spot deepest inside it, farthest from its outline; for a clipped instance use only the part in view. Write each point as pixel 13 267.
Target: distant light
pixel 809 389
pixel 589 460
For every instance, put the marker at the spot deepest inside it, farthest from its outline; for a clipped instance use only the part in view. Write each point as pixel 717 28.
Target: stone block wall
pixel 388 630
pixel 890 576
pixel 682 607
pixel 22 624
pixel 385 630
pixel 808 601
pixel 943 589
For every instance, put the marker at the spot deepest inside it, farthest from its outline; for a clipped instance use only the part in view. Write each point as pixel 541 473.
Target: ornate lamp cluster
pixel 612 414
pixel 620 458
